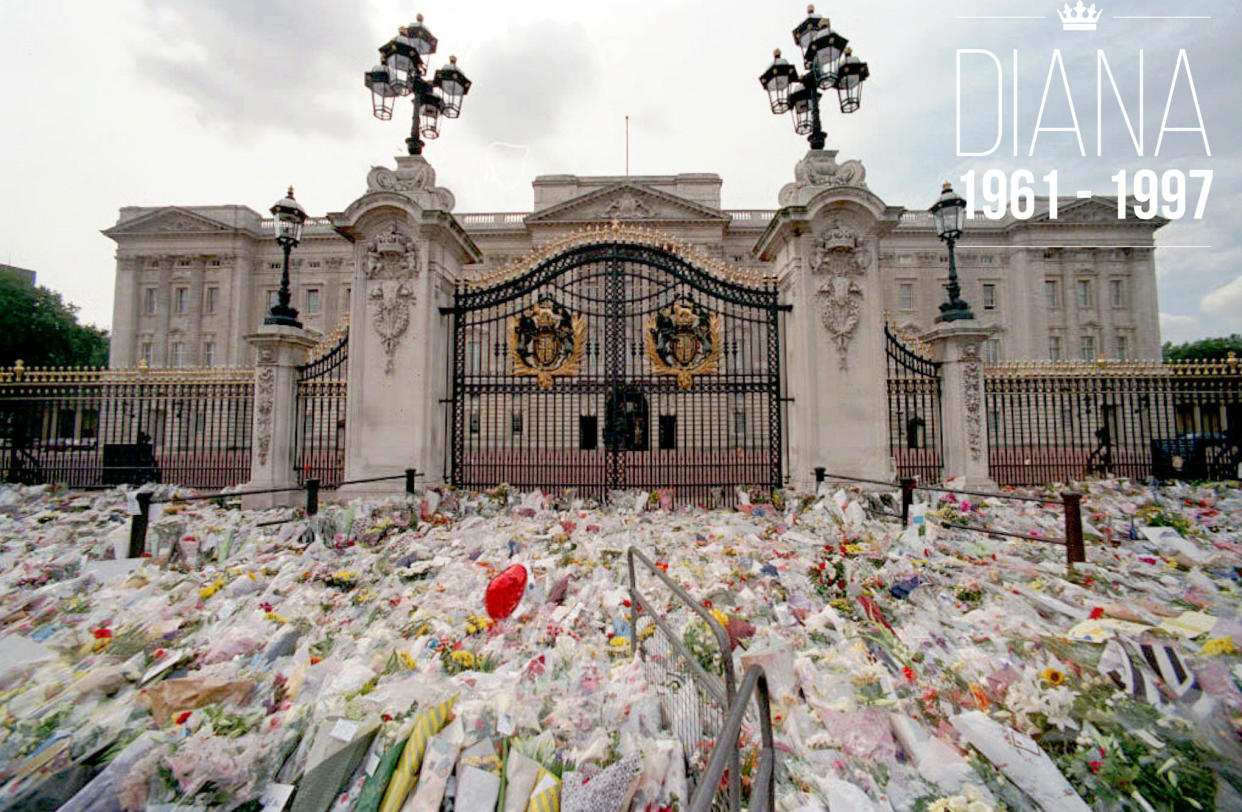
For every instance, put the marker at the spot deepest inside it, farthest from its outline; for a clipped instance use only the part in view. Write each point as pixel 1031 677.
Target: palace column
pixel 408 250
pixel 824 244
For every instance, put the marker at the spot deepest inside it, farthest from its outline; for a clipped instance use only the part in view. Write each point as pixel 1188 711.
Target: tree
pixel 1205 349
pixel 40 328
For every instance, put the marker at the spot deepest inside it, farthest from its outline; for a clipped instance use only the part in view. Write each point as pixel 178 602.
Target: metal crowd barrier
pixel 726 753
pixel 696 703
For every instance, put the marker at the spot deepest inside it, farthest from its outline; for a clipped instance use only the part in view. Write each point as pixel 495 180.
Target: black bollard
pixel 907 498
pixel 138 525
pixel 409 481
pixel 312 497
pixel 1075 551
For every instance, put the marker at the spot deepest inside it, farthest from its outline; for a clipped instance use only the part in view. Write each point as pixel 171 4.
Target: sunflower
pixel 1052 676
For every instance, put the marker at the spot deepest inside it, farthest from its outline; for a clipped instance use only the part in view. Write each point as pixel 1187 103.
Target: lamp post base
pixel 954 311
pixel 415 145
pixel 283 316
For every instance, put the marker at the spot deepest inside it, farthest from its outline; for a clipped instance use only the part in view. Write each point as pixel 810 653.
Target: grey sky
pixel 135 102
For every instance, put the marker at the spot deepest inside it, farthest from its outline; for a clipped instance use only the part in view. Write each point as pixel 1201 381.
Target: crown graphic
pixel 1079 18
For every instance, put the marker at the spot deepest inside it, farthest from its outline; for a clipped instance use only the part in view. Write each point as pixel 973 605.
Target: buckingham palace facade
pixel 192 281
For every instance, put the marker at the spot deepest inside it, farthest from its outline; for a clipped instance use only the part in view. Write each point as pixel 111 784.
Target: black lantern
pixel 402 72
pixel 379 81
pixel 288 218
pixel 430 106
pixel 949 214
pixel 453 86
pixel 776 80
pixel 828 66
pixel 824 53
pixel 850 76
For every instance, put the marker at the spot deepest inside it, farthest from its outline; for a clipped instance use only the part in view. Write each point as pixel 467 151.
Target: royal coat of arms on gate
pixel 684 340
pixel 545 342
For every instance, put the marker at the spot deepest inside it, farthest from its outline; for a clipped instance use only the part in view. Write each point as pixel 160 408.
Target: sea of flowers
pixel 264 660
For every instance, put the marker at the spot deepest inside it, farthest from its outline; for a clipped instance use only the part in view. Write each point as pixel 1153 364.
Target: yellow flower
pixel 463 658
pixel 207 591
pixel 1052 676
pixel 619 643
pixel 720 616
pixel 646 631
pixel 276 618
pixel 407 660
pixel 1217 646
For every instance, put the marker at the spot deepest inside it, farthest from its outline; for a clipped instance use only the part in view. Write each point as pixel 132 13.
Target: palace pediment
pixel 168 220
pixel 1093 210
pixel 627 202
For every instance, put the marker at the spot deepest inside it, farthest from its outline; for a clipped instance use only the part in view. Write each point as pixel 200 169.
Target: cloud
pixel 536 75
pixel 1225 302
pixel 1179 328
pixel 285 65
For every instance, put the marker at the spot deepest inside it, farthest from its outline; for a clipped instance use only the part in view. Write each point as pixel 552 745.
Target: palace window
pixel 989 297
pixel 739 423
pixel 211 300
pixel 176 354
pixel 1123 347
pixel 906 296
pixel 1088 348
pixel 1085 297
pixel 516 423
pixel 275 266
pixel 916 433
pixel 668 432
pixel 1052 294
pixel 312 300
pixel 346 299
pixel 1054 348
pixel 209 353
pixel 215 263
pixel 314 263
pixel 588 432
pixel 991 351
pixel 148 301
pixel 144 352
pixel 1116 293
pixel 180 297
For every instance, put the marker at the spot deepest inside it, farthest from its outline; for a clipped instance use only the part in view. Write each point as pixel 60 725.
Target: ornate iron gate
pixel 615 361
pixel 319 434
pixel 913 411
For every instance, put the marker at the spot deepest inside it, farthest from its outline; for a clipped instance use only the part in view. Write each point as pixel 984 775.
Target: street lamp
pixel 949 212
pixel 829 65
pixel 401 72
pixel 288 217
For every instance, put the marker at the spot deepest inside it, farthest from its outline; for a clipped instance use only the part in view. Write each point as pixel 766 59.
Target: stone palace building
pixel 192 281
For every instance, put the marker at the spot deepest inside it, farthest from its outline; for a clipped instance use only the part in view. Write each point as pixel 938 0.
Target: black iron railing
pixel 914 437
pixel 619 361
pixel 97 428
pixel 319 430
pixel 1056 422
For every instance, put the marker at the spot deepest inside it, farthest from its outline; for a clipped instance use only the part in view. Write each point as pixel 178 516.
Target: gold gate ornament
pixel 683 340
pixel 546 342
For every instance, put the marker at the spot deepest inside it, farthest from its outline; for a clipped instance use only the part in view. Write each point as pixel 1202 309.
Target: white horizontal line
pixel 961 247
pixel 1162 18
pixel 996 17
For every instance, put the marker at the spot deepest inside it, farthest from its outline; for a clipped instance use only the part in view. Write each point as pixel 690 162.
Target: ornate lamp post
pixel 289 216
pixel 949 212
pixel 401 72
pixel 829 65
